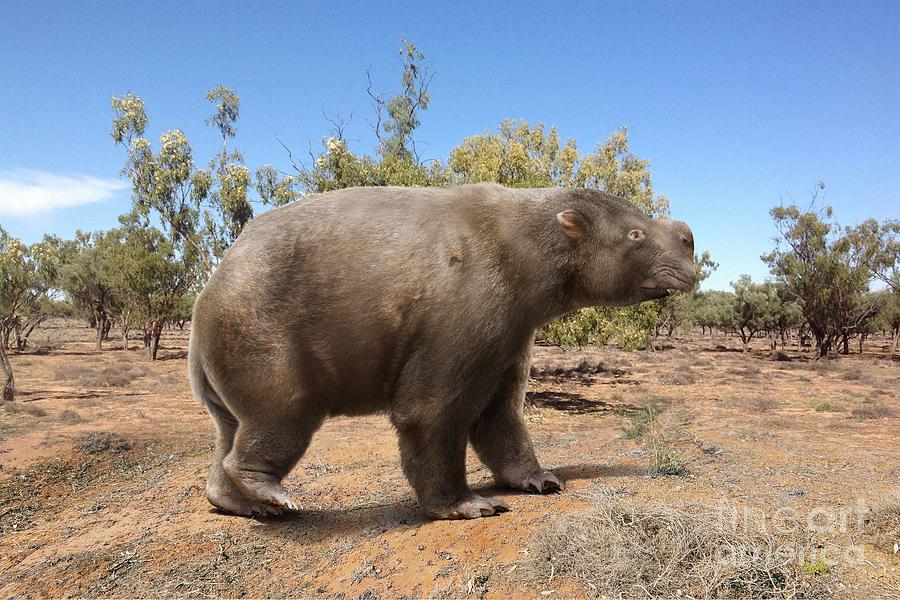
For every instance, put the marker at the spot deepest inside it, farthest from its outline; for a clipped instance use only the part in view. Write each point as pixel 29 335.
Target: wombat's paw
pixel 236 504
pixel 472 509
pixel 543 482
pixel 259 487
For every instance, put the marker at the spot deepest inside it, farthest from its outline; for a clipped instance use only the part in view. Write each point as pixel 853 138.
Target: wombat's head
pixel 624 257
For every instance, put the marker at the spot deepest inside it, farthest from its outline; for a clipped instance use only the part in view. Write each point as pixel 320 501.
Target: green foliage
pixel 713 309
pixel 84 278
pixel 201 211
pixel 522 155
pixel 27 277
pixel 337 167
pixel 403 108
pixel 815 569
pixel 228 192
pixel 877 246
pixel 151 282
pixel 517 155
pixel 629 327
pixel 888 316
pixel 755 307
pixel 273 187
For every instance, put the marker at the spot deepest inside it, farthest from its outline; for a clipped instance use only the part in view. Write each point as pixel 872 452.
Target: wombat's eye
pixel 636 235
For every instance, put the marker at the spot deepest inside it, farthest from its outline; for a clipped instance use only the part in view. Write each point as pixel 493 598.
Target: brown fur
pixel 421 303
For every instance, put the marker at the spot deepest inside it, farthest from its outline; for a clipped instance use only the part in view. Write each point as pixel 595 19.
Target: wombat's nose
pixel 684 233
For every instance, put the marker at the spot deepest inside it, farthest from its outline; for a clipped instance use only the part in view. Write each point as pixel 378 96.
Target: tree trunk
pixel 125 330
pixel 99 335
pixel 845 344
pixel 745 341
pixel 153 348
pixel 9 386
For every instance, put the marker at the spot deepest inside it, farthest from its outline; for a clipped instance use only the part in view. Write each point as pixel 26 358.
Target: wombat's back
pixel 334 290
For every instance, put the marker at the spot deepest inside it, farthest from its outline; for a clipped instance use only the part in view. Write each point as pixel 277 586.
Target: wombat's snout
pixel 686 270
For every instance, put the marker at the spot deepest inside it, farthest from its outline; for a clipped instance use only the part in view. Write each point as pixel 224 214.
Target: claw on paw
pixel 543 483
pixel 473 508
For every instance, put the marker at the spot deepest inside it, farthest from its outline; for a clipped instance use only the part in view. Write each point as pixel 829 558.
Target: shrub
pixel 26 408
pixel 882 523
pixel 97 442
pixel 871 409
pixel 69 417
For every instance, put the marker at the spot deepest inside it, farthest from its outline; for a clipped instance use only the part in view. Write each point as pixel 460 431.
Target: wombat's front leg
pixel 434 460
pixel 501 440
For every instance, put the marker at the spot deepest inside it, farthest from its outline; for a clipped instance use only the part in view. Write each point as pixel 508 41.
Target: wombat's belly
pixel 355 361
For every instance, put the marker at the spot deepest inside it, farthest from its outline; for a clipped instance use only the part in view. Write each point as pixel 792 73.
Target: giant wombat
pixel 420 303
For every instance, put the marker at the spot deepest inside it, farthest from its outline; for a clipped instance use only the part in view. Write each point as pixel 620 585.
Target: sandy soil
pixel 104 458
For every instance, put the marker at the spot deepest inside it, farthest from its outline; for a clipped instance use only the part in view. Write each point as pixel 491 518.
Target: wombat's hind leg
pixel 264 452
pixel 434 461
pixel 220 490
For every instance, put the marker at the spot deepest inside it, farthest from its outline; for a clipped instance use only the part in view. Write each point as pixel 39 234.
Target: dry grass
pixel 753 404
pixel 106 377
pixel 851 375
pixel 658 433
pixel 692 551
pixel 748 372
pixel 762 405
pixel 882 523
pixel 826 406
pixel 872 409
pixel 69 417
pixel 559 369
pixel 97 442
pixel 682 376
pixel 26 408
pixel 822 365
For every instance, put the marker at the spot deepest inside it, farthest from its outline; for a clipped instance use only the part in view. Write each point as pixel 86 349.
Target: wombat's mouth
pixel 655 293
pixel 666 282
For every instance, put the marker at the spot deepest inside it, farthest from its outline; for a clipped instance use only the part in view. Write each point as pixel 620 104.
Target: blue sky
pixel 738 105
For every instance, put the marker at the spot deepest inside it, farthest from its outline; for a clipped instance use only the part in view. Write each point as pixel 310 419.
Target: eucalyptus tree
pixel 149 280
pixel 713 310
pixel 877 246
pixel 84 277
pixel 27 277
pixel 755 309
pixel 201 211
pixel 824 270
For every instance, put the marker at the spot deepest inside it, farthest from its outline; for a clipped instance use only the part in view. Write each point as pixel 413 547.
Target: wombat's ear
pixel 573 223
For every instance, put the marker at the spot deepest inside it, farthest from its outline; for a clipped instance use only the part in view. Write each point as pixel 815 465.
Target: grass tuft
pixel 693 551
pixel 69 417
pixel 24 408
pixel 97 442
pixel 872 409
pixel 882 523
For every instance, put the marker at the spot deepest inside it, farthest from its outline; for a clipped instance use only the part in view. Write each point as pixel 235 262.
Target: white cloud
pixel 25 193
